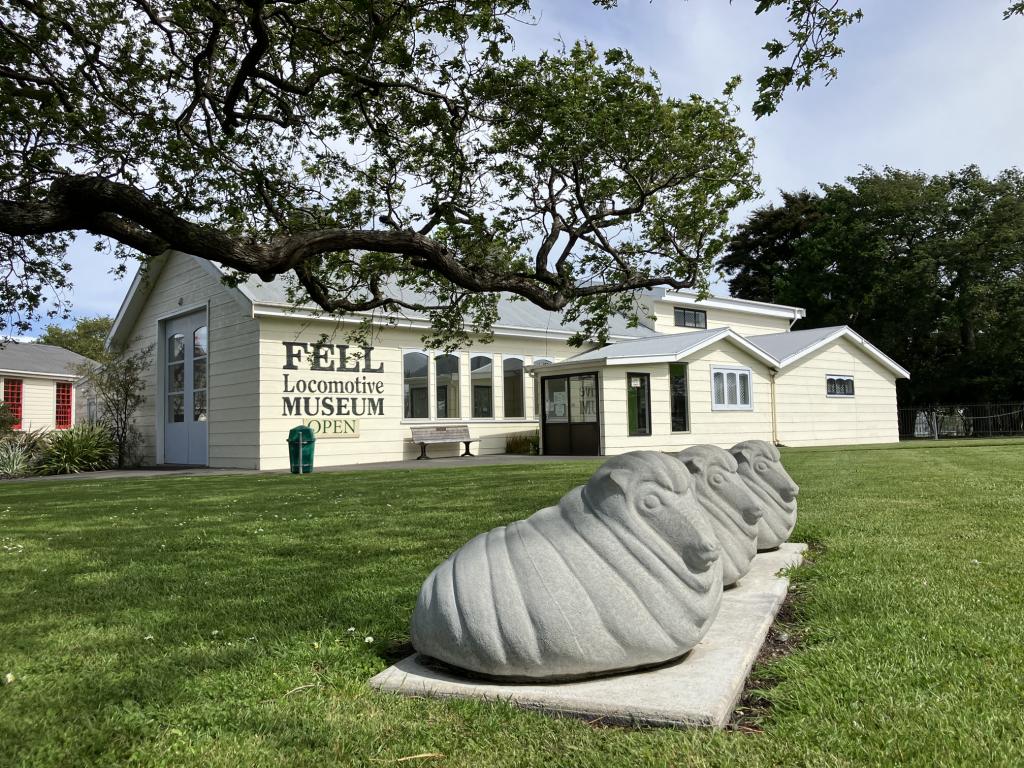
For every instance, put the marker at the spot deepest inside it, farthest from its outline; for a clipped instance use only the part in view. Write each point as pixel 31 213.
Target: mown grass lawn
pixel 226 621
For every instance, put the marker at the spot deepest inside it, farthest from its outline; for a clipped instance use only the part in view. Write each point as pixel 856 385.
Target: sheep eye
pixel 651 501
pixel 717 479
pixel 761 466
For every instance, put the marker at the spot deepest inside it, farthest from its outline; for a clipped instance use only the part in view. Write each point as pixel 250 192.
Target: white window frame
pixel 844 376
pixel 684 310
pixel 495 383
pixel 725 370
pixel 503 417
pixel 430 384
pixel 434 354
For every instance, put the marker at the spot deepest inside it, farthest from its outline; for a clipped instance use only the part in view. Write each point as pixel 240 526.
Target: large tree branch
pixel 127 214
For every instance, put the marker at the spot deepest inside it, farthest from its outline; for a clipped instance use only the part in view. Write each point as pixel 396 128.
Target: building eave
pixel 40 375
pixel 743 306
pixel 846 332
pixel 289 311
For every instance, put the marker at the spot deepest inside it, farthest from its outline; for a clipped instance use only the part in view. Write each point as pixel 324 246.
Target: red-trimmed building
pixel 42 385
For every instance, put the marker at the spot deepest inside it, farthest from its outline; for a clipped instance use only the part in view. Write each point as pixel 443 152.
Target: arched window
pixel 481 372
pixel 512 374
pixel 176 378
pixel 446 382
pixel 200 350
pixel 414 379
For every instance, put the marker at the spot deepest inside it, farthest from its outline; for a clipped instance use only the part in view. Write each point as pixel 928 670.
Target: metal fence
pixel 980 420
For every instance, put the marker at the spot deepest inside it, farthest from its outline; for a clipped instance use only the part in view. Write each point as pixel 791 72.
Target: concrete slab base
pixel 702 689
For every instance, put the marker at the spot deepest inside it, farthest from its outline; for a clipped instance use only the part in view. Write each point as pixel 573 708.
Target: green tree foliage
pixel 930 268
pixel 360 146
pixel 357 145
pixel 86 337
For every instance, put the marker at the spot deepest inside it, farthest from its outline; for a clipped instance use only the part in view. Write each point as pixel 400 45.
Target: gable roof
pixel 776 350
pixel 42 359
pixel 515 317
pixel 513 314
pixel 665 348
pixel 792 346
pixel 143 283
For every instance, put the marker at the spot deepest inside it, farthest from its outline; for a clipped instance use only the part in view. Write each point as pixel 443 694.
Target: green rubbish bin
pixel 300 450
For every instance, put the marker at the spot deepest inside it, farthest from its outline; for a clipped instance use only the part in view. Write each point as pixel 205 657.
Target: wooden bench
pixel 456 433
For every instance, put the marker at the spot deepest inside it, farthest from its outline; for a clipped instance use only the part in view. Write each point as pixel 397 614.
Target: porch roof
pixel 663 348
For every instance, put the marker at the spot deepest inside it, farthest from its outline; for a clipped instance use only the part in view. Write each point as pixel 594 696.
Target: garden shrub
pixel 83 448
pixel 527 443
pixel 20 452
pixel 7 419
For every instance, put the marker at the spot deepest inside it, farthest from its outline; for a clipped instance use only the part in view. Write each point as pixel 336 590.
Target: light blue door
pixel 186 353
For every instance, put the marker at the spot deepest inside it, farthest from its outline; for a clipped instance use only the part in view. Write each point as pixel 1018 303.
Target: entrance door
pixel 186 349
pixel 571 416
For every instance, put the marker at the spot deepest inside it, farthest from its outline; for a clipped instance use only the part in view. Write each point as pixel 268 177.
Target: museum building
pixel 234 368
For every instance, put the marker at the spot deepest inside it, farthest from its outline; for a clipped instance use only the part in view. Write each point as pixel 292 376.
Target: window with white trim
pixel 481 375
pixel 446 386
pixel 838 386
pixel 731 389
pixel 415 367
pixel 690 318
pixel 513 396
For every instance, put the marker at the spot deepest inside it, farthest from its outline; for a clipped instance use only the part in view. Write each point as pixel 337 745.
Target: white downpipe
pixel 775 421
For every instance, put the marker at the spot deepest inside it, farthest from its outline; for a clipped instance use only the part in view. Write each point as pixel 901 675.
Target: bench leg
pixel 423 452
pixel 467 453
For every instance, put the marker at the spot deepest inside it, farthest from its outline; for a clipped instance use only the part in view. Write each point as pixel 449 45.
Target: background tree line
pixel 929 268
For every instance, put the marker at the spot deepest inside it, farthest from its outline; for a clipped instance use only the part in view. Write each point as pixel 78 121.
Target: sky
pixel 925 85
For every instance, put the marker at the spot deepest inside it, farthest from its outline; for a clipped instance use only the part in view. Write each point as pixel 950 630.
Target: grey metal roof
pixel 784 345
pixel 659 346
pixel 39 358
pixel 512 313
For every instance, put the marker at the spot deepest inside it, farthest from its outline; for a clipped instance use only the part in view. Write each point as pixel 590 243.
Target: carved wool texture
pixel 623 573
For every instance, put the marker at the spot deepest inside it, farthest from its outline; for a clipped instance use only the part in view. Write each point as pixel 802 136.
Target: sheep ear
pixel 695 464
pixel 620 480
pixel 741 454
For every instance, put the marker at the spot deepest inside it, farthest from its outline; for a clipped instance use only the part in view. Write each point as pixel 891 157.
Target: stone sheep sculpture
pixel 760 466
pixel 732 510
pixel 623 573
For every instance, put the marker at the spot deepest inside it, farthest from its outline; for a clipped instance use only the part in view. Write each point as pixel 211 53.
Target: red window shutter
pixel 12 397
pixel 63 404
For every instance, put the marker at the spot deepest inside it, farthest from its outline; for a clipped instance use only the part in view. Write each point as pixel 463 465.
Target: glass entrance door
pixel 571 415
pixel 186 352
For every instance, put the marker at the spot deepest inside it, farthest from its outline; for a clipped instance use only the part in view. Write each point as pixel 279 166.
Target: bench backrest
pixel 453 433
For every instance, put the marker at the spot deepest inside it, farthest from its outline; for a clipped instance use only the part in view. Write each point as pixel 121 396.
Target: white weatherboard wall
pixel 384 436
pixel 722 428
pixel 233 395
pixel 744 323
pixel 38 401
pixel 806 416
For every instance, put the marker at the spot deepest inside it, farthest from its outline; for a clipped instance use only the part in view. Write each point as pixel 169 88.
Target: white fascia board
pixel 41 375
pixel 852 335
pixel 264 309
pixel 745 306
pixel 129 308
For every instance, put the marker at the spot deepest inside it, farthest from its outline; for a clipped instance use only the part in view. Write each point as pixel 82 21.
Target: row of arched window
pixel 448 383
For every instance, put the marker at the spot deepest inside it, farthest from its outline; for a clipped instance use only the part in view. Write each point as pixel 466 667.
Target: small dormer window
pixel 691 318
